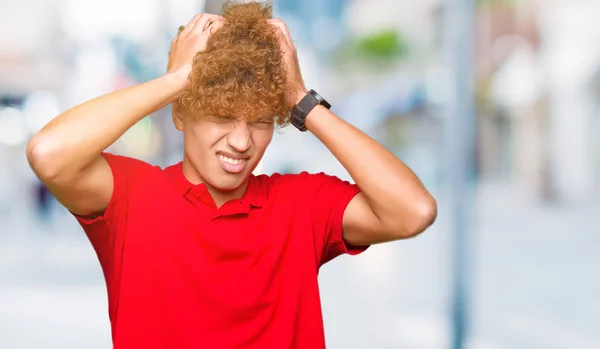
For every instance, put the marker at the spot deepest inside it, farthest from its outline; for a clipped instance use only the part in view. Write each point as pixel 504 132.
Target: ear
pixel 177 116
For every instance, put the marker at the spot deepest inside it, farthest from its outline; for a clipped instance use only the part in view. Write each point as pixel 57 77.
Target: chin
pixel 229 182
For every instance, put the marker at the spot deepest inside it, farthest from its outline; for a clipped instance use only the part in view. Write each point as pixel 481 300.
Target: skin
pixel 207 137
pixel 65 154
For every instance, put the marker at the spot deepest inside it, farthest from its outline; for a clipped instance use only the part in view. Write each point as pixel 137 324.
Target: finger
pixel 208 24
pixel 204 22
pixel 283 38
pixel 284 30
pixel 199 23
pixel 188 28
pixel 214 26
pixel 283 41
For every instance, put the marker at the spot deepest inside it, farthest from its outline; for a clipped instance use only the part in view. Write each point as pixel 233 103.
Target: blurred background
pixel 495 104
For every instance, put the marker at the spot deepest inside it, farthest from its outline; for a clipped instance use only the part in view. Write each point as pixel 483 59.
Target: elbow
pixel 426 216
pixel 42 159
pixel 423 214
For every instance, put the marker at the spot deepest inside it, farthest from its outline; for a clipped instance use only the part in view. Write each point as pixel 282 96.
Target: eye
pixel 262 123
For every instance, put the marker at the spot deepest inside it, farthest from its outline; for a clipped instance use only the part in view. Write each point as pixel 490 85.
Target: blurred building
pixel 383 65
pixel 535 65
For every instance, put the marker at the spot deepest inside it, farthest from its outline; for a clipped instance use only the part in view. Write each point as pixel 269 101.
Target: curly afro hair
pixel 241 70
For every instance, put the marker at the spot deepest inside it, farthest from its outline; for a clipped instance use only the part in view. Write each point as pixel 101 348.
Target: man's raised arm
pixel 393 203
pixel 66 153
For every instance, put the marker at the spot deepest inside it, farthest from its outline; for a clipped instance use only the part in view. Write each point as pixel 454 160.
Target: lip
pixel 232 168
pixel 232 156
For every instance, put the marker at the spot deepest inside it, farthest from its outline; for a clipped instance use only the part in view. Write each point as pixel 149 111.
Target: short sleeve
pixel 106 231
pixel 328 198
pixel 118 202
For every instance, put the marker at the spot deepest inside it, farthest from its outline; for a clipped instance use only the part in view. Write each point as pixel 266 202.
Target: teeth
pixel 230 160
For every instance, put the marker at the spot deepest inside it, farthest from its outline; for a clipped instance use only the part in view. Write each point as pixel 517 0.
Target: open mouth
pixel 232 165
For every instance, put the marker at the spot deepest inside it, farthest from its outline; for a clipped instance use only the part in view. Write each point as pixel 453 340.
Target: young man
pixel 203 254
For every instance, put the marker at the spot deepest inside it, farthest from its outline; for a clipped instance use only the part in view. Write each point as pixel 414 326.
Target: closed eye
pixel 262 123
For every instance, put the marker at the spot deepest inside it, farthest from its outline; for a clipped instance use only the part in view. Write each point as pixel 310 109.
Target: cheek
pixel 262 139
pixel 202 137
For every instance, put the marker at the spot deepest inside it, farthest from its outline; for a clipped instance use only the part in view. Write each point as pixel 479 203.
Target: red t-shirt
pixel 181 273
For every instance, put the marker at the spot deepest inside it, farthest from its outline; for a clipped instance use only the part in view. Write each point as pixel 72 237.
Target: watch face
pixel 316 95
pixel 321 100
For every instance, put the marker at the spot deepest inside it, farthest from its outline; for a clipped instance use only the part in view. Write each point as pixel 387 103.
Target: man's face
pixel 225 150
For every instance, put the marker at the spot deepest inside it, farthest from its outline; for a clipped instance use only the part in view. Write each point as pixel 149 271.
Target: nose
pixel 240 137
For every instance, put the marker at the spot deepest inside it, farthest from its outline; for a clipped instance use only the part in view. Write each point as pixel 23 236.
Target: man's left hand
pixel 297 89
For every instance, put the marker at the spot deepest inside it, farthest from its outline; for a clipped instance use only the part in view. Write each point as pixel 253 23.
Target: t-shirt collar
pixel 255 193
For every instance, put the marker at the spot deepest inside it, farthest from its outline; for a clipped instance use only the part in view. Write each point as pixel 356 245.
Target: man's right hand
pixel 191 40
pixel 66 153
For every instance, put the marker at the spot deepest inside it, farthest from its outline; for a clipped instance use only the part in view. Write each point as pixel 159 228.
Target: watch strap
pixel 301 110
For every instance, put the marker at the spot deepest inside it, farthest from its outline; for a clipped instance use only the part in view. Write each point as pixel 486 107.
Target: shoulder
pixel 129 162
pixel 126 161
pixel 303 182
pixel 128 167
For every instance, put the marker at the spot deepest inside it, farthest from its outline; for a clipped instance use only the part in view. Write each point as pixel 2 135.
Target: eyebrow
pixel 265 119
pixel 224 117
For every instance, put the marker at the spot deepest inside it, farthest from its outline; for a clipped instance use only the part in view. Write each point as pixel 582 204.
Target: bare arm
pixel 393 203
pixel 65 154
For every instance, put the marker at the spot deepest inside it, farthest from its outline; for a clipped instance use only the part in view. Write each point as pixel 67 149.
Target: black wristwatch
pixel 306 104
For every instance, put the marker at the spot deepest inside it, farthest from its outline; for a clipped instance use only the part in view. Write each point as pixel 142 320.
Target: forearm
pixel 394 193
pixel 74 139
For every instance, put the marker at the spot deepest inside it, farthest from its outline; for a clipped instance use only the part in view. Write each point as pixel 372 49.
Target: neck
pixel 219 196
